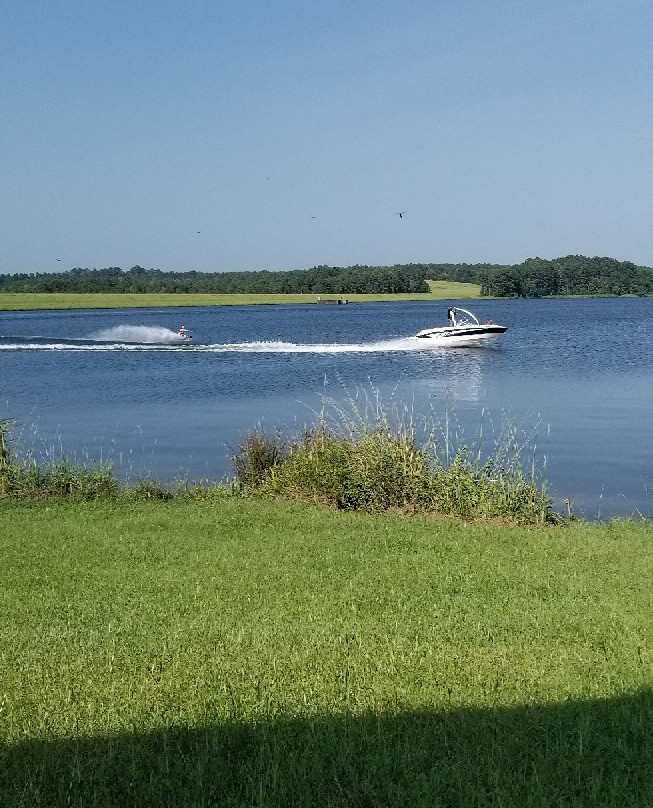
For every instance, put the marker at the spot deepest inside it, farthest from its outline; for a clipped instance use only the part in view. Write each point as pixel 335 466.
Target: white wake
pixel 159 338
pixel 261 347
pixel 136 333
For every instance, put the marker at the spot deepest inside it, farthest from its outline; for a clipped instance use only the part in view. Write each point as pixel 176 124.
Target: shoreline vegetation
pixel 368 467
pixel 573 275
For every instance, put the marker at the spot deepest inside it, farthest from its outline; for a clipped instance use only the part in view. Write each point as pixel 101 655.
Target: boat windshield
pixel 462 317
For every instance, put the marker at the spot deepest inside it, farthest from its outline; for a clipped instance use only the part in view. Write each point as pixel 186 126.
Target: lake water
pixel 573 379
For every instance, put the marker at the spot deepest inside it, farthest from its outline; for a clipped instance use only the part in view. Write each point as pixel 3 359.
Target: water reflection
pixel 454 374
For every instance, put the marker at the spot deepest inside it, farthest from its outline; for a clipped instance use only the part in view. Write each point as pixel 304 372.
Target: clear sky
pixel 282 134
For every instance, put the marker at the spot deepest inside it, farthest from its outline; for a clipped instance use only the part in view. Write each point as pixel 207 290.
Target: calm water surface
pixel 573 378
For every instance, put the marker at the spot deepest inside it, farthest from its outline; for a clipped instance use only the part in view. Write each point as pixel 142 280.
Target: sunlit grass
pixel 250 652
pixel 440 290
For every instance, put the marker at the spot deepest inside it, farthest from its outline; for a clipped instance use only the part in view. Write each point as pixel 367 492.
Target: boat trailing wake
pixel 159 338
pixel 259 347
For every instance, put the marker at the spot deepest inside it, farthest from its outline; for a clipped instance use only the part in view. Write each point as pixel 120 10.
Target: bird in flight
pixel 400 214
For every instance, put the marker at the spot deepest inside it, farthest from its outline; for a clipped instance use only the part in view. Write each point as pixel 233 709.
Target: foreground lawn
pixel 241 652
pixel 440 290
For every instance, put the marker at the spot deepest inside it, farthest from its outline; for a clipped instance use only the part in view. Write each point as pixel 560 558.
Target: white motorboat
pixel 463 330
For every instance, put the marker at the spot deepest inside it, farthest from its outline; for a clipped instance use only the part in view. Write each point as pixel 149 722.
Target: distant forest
pixel 535 277
pixel 572 275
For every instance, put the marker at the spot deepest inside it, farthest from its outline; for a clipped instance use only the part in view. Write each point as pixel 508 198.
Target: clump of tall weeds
pixel 466 489
pixel 4 451
pixel 56 478
pixel 257 455
pixel 374 472
pixel 374 467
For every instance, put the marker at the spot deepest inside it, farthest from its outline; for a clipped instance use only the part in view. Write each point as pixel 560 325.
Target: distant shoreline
pixel 62 301
pixel 33 301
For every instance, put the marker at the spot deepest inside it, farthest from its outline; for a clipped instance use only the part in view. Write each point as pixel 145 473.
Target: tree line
pixel 571 275
pixel 535 277
pixel 318 280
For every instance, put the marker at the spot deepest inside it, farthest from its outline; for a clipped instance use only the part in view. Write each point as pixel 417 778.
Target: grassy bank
pixel 250 652
pixel 440 290
pixel 352 465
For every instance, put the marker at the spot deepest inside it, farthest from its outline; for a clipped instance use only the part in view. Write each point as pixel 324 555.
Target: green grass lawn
pixel 440 290
pixel 244 652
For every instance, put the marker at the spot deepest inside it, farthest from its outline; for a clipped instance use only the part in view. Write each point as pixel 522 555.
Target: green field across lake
pixel 440 290
pixel 239 652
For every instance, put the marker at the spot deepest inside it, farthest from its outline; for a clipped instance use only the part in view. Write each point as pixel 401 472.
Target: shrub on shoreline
pixel 381 469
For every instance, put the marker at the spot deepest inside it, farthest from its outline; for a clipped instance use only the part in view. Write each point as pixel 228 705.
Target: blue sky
pixel 281 135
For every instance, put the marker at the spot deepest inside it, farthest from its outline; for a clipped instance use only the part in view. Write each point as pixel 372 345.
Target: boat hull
pixel 460 336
